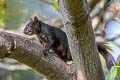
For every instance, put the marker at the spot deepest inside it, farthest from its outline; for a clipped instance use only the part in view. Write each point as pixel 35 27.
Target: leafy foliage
pixel 3 14
pixel 114 72
pixel 55 4
pixel 118 74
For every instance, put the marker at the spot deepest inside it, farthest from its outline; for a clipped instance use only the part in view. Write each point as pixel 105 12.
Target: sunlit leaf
pixel 3 14
pixel 1 23
pixel 55 4
pixel 112 74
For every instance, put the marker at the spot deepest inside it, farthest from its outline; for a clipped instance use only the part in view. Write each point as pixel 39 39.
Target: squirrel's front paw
pixel 45 52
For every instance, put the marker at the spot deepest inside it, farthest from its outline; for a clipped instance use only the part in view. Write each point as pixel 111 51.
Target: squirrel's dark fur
pixel 54 38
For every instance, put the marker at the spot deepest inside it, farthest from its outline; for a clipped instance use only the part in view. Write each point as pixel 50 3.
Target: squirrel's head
pixel 33 27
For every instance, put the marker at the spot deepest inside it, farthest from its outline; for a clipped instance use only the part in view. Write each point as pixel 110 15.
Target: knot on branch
pixel 8 43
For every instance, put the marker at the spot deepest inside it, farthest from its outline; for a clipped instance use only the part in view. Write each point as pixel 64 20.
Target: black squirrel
pixel 54 38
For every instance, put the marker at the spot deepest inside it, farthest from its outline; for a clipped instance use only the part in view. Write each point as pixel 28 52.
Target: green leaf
pixel 112 74
pixel 119 63
pixel 1 23
pixel 55 4
pixel 118 71
pixel 3 14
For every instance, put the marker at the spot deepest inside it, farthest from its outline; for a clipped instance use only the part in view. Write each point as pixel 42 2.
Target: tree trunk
pixel 81 39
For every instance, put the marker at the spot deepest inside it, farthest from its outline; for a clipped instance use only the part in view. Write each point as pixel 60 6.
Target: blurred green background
pixel 19 11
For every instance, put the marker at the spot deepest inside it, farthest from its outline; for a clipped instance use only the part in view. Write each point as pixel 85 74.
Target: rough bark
pixel 81 39
pixel 92 3
pixel 30 53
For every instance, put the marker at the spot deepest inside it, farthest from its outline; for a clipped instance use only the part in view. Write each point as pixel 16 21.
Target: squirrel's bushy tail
pixel 102 48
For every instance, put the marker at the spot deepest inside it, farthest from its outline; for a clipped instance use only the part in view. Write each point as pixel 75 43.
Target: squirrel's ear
pixel 36 20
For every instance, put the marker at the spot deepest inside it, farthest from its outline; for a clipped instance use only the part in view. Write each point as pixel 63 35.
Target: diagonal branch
pixel 30 53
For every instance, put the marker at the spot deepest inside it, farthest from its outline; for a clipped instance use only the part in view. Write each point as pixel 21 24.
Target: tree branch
pixel 29 53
